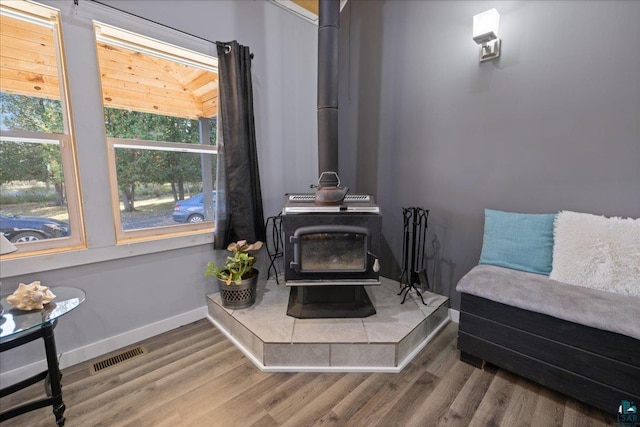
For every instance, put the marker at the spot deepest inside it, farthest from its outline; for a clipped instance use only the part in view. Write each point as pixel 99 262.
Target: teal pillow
pixel 518 241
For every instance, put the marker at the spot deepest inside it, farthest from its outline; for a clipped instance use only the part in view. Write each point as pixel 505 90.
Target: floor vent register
pixel 117 359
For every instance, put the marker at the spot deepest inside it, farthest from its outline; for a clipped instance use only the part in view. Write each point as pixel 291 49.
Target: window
pixel 160 107
pixel 39 195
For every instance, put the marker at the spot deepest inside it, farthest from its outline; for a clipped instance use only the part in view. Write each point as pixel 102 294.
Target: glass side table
pixel 18 327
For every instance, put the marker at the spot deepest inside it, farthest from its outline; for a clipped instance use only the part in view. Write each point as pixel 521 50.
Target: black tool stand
pixel 413 253
pixel 274 244
pixel 406 289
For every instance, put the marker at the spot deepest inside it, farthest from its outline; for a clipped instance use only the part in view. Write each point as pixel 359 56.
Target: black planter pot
pixel 239 296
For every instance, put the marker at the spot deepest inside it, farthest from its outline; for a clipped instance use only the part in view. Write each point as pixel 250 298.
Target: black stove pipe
pixel 329 23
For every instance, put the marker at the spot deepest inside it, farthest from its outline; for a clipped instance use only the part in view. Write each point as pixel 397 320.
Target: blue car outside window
pixel 192 209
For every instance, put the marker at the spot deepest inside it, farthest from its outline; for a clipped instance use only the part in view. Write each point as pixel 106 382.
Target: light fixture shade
pixel 485 26
pixel 6 247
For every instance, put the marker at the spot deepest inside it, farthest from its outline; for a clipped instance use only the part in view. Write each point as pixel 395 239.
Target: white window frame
pixel 50 18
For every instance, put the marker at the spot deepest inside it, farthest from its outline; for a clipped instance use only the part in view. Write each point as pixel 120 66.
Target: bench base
pixel 597 367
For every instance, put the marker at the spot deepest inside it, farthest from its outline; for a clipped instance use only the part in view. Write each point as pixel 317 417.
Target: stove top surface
pixel 304 203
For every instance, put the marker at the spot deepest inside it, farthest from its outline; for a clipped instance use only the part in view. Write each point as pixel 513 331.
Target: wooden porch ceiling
pixel 310 5
pixel 130 80
pixel 307 9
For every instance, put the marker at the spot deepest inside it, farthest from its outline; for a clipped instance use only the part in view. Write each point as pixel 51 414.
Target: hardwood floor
pixel 194 376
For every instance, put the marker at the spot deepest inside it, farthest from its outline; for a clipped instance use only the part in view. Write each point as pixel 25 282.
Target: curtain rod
pixel 75 2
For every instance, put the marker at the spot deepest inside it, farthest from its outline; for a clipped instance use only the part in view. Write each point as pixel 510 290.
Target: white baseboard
pixel 454 315
pixel 99 348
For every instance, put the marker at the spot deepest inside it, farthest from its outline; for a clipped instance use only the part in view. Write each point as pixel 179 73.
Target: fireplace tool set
pixel 414 269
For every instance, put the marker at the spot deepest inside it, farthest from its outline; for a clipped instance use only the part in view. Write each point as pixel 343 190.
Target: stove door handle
pixel 376 262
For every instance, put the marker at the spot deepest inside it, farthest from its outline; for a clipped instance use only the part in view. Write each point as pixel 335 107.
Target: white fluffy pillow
pixel 597 252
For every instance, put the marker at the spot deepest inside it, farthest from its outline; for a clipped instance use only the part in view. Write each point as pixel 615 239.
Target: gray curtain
pixel 239 213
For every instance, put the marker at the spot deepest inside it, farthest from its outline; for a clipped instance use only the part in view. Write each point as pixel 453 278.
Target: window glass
pixel 160 106
pixel 153 185
pixel 39 203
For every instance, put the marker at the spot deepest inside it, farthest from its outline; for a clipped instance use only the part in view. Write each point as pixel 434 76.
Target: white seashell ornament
pixel 31 296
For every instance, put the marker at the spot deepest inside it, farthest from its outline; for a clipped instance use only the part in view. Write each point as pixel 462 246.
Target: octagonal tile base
pixel 384 342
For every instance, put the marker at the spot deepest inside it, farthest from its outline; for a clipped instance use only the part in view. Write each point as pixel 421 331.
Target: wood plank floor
pixel 194 376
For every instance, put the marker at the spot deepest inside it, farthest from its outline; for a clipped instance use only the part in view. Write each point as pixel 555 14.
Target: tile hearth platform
pixel 383 342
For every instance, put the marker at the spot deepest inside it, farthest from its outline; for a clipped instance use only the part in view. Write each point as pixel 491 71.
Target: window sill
pixel 74 258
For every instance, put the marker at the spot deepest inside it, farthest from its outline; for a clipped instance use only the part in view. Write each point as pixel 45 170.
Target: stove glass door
pixel 331 249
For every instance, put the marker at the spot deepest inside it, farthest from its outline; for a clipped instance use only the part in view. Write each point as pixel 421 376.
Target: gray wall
pixel 553 124
pixel 422 123
pixel 132 286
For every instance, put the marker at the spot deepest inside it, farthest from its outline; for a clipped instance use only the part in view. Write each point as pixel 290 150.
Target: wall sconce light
pixel 485 33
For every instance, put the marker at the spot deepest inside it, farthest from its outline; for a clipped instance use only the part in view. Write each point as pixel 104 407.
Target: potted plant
pixel 237 279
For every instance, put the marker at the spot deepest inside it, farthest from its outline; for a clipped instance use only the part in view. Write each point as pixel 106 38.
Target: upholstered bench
pixel 581 341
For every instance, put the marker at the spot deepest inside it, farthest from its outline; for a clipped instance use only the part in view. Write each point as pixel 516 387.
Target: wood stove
pixel 330 254
pixel 331 239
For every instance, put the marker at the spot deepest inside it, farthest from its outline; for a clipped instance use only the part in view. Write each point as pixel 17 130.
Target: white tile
pixel 268 324
pixel 297 355
pixel 379 355
pixel 379 340
pixel 248 340
pixel 329 331
pixel 219 313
